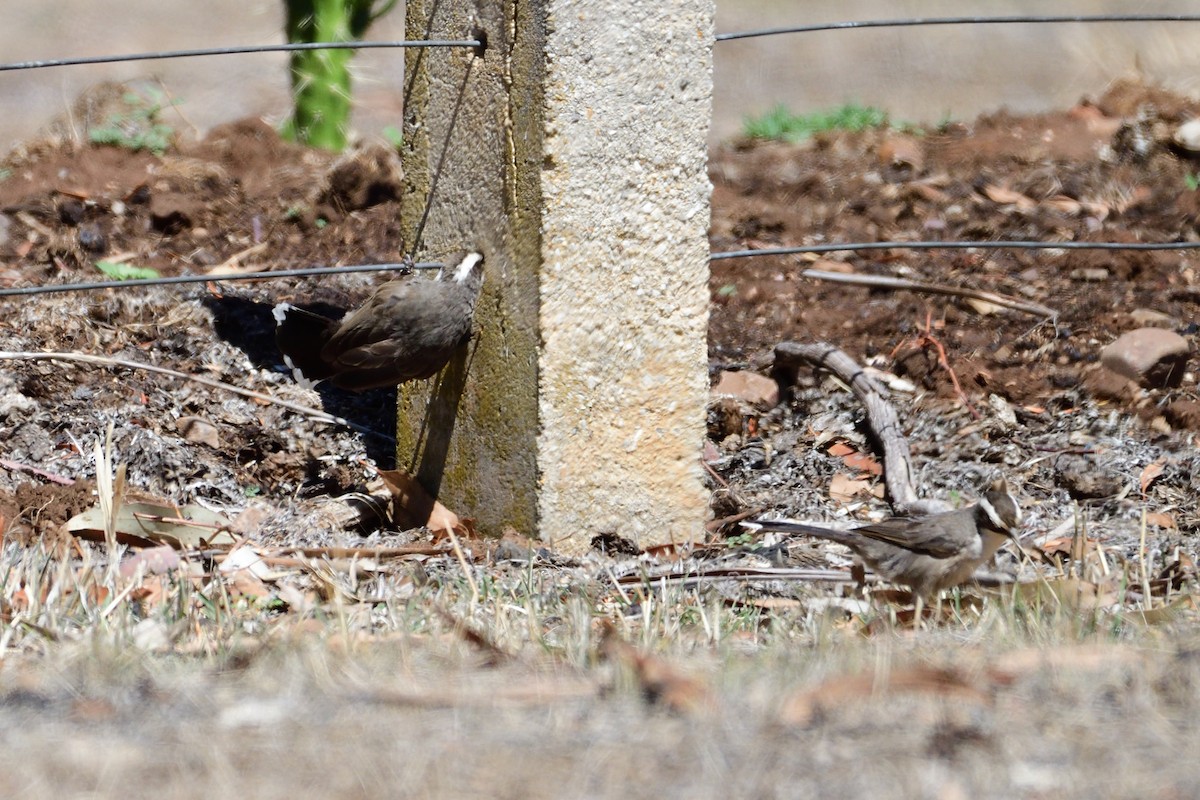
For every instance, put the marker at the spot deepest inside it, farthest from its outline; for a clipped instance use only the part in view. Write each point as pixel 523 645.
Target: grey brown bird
pixel 927 553
pixel 407 330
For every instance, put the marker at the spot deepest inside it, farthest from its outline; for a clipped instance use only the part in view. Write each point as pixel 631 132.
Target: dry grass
pixel 532 680
pixel 473 673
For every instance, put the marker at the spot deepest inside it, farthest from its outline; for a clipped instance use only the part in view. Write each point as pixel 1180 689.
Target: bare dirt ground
pixel 368 671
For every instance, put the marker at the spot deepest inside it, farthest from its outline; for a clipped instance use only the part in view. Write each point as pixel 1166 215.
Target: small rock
pixel 151 635
pixel 172 212
pixel 1152 356
pixel 750 387
pixel 1187 136
pixel 367 176
pixel 1149 318
pixel 70 212
pixel 199 430
pixel 1004 411
pixel 725 418
pixel 1084 478
pixel 1090 274
pixel 91 238
pixel 150 561
pixel 1104 384
pixel 902 151
pixel 1184 414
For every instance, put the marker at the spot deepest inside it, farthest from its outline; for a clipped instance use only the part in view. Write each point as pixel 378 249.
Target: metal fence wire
pixel 478 43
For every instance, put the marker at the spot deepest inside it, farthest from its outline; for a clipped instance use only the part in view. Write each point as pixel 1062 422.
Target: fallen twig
pixel 53 477
pixel 495 653
pixel 106 361
pixel 689 575
pixel 558 691
pixel 233 264
pixel 889 282
pixel 381 553
pixel 717 524
pixel 927 338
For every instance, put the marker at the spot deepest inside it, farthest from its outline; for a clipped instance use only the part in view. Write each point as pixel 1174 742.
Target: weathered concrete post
pixel 576 158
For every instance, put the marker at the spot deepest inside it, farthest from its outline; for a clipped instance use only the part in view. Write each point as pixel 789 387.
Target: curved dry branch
pixel 881 416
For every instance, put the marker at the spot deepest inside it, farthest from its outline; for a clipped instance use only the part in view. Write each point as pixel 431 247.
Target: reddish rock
pixel 1151 356
pixel 749 387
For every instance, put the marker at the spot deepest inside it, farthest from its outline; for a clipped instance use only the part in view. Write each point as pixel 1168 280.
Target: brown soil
pixel 1100 171
pixel 1066 176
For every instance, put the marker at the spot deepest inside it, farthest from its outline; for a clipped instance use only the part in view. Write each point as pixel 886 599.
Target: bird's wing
pixel 921 535
pixel 409 328
pixel 374 321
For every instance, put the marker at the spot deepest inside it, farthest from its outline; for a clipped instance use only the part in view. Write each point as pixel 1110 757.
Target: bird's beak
pixel 1014 536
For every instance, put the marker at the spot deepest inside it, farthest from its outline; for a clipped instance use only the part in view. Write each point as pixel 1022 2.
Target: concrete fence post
pixel 572 150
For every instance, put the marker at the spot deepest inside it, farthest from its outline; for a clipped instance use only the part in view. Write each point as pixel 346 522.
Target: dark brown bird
pixel 927 553
pixel 408 329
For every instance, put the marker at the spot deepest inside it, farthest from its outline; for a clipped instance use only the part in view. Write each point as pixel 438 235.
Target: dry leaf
pixel 1173 576
pixel 1160 519
pixel 840 449
pixel 1007 197
pixel 1064 546
pixel 1071 593
pixel 801 708
pixel 671 551
pixel 843 488
pixel 413 506
pixel 829 265
pixel 151 593
pixel 983 307
pixel 244 583
pixel 1064 204
pixel 149 524
pixel 660 682
pixel 245 557
pixel 929 194
pixel 296 599
pixel 1148 475
pixel 97 594
pixel 863 462
pixel 902 151
pixel 1160 614
pixel 773 603
pixel 1134 198
pixel 92 710
pixel 1076 657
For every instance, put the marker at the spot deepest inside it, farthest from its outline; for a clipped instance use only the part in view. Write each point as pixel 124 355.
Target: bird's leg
pixel 918 610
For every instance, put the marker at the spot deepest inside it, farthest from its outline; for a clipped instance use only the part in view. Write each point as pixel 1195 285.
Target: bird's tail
pixel 301 336
pixel 794 528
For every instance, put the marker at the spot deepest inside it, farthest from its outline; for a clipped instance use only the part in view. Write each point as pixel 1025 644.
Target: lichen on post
pixel 577 162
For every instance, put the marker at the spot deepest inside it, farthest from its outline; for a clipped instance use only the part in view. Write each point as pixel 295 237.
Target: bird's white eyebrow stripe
pixel 465 266
pixel 990 510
